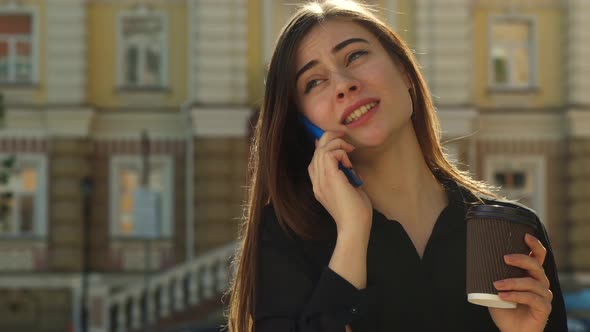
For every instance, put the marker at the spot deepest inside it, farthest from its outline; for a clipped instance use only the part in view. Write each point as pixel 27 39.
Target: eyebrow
pixel 336 49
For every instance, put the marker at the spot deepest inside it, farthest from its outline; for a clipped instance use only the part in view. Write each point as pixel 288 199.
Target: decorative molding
pixel 47 123
pixel 69 123
pixel 86 122
pixel 220 122
pixel 502 127
pixel 20 256
pixel 578 123
pixel 119 124
pixel 39 280
pixel 456 122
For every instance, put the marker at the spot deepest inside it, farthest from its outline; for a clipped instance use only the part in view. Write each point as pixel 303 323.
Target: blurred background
pixel 125 139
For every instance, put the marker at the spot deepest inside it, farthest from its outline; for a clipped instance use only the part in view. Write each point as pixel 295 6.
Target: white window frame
pixel 167 199
pixel 536 163
pixel 121 80
pixel 532 20
pixel 40 212
pixel 32 11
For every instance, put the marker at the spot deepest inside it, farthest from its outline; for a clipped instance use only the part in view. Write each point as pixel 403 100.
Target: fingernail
pixel 529 236
pixel 503 294
pixel 507 258
pixel 499 284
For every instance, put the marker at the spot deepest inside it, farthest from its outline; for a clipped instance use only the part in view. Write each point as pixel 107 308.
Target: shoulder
pixel 270 228
pixel 508 203
pixel 472 198
pixel 476 198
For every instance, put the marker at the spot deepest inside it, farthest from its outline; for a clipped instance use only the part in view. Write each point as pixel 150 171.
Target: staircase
pixel 189 292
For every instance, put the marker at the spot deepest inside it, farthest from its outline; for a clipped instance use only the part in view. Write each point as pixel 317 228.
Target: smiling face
pixel 346 81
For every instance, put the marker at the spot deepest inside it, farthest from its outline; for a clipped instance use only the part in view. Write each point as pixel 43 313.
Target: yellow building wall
pixel 548 91
pixel 102 89
pixel 405 21
pixel 255 57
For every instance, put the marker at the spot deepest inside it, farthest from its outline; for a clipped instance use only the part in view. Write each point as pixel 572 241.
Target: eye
pixel 312 84
pixel 355 55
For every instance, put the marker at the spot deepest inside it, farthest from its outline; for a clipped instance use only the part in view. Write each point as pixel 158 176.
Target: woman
pixel 319 254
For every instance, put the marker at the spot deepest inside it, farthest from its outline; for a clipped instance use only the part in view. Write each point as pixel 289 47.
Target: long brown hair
pixel 279 156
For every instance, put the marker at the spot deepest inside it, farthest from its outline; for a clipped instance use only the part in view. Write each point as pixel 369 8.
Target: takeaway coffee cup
pixel 492 232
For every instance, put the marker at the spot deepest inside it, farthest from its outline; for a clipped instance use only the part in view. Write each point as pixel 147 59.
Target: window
pixel 142 50
pixel 17 46
pixel 23 193
pixel 126 172
pixel 512 53
pixel 519 178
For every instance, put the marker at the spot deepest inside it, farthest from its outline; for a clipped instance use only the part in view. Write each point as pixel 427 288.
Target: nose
pixel 345 86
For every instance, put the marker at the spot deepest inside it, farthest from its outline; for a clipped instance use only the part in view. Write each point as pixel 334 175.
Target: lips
pixel 355 110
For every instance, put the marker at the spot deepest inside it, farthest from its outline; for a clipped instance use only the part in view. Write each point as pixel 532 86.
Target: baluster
pixel 99 309
pixel 121 315
pixel 136 312
pixel 194 286
pixel 150 306
pixel 157 304
pixel 208 281
pixel 113 317
pixel 129 313
pixel 179 296
pixel 171 289
pixel 164 300
pixel 222 276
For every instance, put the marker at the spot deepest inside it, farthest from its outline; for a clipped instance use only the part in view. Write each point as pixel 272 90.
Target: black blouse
pixel 297 292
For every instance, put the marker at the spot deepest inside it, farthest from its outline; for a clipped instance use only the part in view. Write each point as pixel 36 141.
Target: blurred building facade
pixel 83 79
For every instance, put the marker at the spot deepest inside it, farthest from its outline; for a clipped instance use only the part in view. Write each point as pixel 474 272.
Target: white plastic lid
pixel 489 300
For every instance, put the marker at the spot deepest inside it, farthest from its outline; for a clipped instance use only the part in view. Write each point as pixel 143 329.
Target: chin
pixel 374 140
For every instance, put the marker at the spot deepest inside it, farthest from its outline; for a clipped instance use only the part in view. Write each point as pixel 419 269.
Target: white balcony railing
pixel 143 304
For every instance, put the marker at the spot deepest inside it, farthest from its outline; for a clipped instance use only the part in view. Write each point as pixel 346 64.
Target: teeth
pixel 358 112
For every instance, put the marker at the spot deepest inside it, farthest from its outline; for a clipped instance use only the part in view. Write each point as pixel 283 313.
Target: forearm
pixel 349 258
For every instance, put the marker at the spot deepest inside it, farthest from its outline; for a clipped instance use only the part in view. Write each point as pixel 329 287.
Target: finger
pixel 530 264
pixel 538 251
pixel 524 284
pixel 327 137
pixel 533 300
pixel 338 143
pixel 329 162
pixel 342 156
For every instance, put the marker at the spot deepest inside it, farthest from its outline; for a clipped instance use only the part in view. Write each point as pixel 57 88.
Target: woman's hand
pixel 349 206
pixel 532 293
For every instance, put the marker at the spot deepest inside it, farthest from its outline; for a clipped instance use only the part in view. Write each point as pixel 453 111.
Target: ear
pixel 405 76
pixel 407 80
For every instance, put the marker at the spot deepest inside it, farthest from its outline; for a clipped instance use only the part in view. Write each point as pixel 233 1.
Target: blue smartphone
pixel 316 132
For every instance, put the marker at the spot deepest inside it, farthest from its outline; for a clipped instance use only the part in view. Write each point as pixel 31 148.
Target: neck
pixel 396 177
